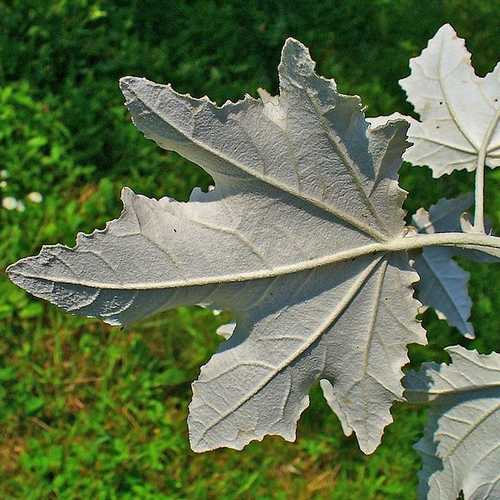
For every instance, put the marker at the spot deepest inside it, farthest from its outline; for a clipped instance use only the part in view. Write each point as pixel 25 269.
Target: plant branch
pixel 479 190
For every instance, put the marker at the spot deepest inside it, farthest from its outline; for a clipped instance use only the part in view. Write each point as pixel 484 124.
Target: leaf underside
pixel 301 183
pixel 461 444
pixel 459 111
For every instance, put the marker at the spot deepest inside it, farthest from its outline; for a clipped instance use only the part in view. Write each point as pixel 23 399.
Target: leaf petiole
pixel 479 190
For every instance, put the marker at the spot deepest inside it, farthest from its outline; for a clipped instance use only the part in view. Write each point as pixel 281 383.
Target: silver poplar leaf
pixel 304 194
pixel 459 111
pixel 460 449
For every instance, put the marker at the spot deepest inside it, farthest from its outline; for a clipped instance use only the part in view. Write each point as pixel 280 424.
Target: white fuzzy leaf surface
pixel 302 189
pixel 459 111
pixel 461 444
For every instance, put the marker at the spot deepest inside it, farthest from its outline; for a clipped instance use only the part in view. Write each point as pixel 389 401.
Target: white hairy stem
pixel 401 244
pixel 479 190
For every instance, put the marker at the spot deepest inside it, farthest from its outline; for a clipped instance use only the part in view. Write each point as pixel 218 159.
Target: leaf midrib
pixel 399 244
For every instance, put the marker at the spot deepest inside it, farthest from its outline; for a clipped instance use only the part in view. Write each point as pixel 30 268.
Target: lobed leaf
pixel 294 239
pixel 461 444
pixel 459 111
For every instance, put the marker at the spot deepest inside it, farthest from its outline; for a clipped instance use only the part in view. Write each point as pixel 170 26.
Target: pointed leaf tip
pixel 127 195
pixel 296 58
pixel 126 83
pixel 292 44
pixel 447 28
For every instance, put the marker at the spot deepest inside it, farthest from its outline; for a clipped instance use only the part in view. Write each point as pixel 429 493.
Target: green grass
pixel 90 411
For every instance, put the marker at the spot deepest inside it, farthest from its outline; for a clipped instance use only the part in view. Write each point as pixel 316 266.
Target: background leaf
pixel 458 110
pixel 461 447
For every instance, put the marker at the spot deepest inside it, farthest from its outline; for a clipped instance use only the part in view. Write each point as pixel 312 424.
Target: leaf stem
pixel 464 240
pixel 482 242
pixel 479 190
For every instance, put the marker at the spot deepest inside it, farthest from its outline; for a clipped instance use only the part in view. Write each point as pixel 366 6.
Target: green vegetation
pixel 87 411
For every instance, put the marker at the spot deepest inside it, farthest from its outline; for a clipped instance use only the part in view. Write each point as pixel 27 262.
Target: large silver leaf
pixel 459 111
pixel 461 444
pixel 291 240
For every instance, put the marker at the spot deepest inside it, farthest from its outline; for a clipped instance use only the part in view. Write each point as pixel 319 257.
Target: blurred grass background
pixel 87 411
